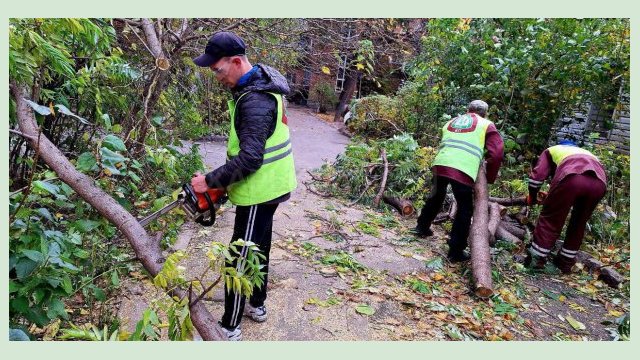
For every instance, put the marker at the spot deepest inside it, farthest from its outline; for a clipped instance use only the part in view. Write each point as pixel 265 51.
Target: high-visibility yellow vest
pixel 561 152
pixel 276 176
pixel 462 146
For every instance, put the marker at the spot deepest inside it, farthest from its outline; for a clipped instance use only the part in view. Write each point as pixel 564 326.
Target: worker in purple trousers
pixel 578 184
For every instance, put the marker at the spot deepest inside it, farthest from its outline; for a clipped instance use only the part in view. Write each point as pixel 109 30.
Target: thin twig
pixel 314 192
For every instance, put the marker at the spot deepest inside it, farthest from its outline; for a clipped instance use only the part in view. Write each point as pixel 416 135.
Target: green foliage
pixel 360 166
pixel 171 275
pixel 530 71
pixel 249 275
pixel 147 328
pixel 376 116
pixel 323 93
pixel 343 262
pixel 611 224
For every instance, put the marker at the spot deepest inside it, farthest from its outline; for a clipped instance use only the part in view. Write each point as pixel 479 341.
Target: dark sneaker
pixel 458 256
pixel 564 263
pixel 232 334
pixel 418 232
pixel 257 314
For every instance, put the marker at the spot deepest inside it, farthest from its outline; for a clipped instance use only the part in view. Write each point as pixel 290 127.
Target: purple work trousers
pixel 582 192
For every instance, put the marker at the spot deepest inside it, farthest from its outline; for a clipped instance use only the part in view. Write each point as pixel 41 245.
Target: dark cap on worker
pixel 221 44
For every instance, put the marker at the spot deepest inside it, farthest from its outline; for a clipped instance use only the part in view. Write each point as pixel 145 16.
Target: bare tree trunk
pixel 479 238
pixel 146 249
pixel 350 83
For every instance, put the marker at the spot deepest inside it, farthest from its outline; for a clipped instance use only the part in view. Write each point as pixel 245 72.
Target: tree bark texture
pixel 479 238
pixel 350 82
pixel 404 207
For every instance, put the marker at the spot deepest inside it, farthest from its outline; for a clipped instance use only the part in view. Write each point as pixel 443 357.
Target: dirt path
pixel 318 283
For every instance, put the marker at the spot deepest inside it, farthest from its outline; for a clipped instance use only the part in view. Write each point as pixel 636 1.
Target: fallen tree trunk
pixel 479 238
pixel 515 230
pixel 503 234
pixel 522 201
pixel 404 207
pixel 146 249
pixel 610 277
pixel 494 221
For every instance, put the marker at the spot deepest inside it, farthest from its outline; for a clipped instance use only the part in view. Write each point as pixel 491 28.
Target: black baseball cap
pixel 221 44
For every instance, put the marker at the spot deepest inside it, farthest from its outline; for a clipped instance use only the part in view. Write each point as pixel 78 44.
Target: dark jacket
pixel 255 122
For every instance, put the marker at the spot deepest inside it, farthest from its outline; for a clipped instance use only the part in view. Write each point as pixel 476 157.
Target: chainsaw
pixel 201 207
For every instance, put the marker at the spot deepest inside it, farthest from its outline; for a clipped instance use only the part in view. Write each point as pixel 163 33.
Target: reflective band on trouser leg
pixel 538 250
pixel 241 261
pixel 568 253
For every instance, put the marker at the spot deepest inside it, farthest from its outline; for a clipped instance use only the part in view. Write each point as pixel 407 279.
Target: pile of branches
pixel 395 171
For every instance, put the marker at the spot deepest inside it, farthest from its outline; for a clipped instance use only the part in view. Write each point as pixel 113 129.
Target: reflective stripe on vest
pixel 561 152
pixel 463 147
pixel 276 176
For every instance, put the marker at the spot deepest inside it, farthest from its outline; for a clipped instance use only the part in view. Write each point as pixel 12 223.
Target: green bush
pixel 357 172
pixel 323 93
pixel 377 116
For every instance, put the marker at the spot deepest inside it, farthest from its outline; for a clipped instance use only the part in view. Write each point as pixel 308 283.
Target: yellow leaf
pixel 577 307
pixel 577 325
pixel 437 277
pixel 562 298
pixel 615 313
pixel 359 66
pixel 326 70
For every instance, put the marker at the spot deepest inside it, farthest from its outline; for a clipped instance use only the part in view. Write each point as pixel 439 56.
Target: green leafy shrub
pixel 323 93
pixel 377 116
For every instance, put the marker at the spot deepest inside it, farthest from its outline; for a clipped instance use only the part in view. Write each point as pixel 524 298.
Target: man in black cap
pixel 259 173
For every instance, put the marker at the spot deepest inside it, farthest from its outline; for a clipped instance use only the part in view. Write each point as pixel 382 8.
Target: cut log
pixel 383 183
pixel 522 201
pixel 514 229
pixel 447 214
pixel 523 216
pixel 503 234
pixel 610 277
pixel 479 238
pixel 494 220
pixel 404 207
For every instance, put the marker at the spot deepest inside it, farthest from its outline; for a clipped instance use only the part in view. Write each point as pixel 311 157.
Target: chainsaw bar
pixel 145 221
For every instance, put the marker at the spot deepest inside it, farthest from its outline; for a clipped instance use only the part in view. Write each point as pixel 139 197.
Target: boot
pixel 564 263
pixel 458 256
pixel 421 233
pixel 534 262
